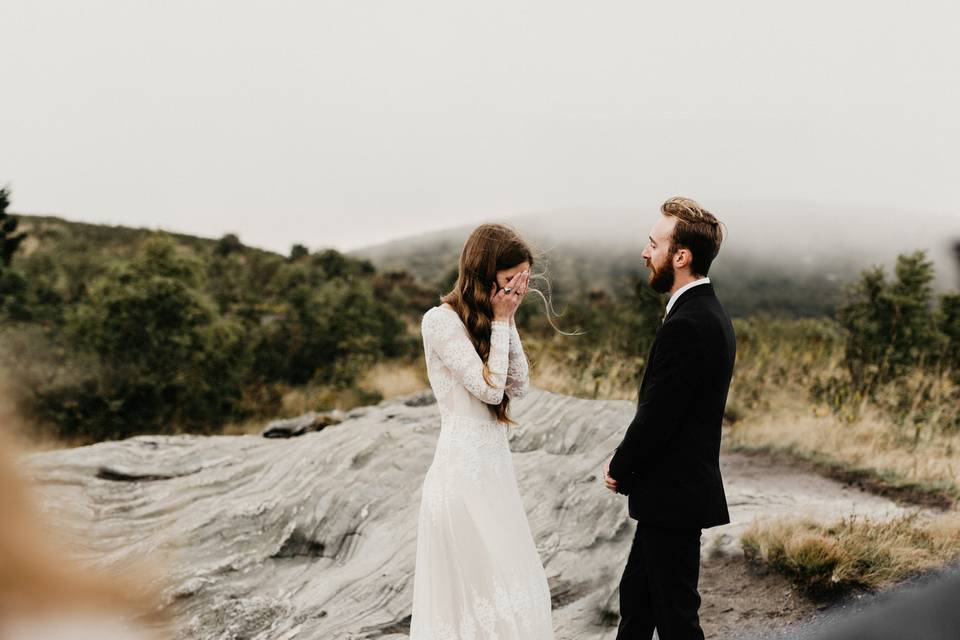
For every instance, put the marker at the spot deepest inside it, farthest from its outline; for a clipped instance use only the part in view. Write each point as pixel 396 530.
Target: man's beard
pixel 661 279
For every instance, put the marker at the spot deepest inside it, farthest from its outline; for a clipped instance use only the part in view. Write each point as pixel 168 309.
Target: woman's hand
pixel 505 304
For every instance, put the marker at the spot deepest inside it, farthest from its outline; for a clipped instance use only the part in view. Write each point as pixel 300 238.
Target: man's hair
pixel 697 230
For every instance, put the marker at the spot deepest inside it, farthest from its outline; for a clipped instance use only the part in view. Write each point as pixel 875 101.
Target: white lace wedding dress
pixel 478 574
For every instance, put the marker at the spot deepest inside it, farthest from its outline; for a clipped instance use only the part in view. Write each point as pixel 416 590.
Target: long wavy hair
pixel 489 249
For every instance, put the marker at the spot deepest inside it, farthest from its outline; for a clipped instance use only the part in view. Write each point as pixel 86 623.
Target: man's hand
pixel 607 480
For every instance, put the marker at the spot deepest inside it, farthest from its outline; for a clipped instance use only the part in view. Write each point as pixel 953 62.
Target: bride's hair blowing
pixel 490 248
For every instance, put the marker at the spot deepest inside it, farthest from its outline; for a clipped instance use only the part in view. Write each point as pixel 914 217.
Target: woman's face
pixel 504 275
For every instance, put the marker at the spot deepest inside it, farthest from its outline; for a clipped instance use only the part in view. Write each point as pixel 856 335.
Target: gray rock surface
pixel 314 536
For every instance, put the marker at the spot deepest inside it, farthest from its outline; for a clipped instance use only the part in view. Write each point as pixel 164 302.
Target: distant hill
pixel 791 259
pixel 66 236
pixel 788 258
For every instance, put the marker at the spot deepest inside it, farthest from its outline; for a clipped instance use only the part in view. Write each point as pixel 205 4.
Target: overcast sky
pixel 352 122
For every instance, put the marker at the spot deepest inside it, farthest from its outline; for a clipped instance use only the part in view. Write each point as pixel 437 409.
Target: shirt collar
pixel 689 285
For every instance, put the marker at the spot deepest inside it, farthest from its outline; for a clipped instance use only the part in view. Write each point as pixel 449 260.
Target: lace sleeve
pixel 518 371
pixel 444 334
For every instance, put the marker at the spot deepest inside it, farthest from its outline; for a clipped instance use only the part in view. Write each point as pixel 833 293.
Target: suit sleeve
pixel 671 381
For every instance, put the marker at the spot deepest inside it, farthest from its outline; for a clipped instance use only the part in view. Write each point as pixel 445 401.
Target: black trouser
pixel 659 585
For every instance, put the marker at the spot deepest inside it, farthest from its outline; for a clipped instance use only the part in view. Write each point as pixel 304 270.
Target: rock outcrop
pixel 314 536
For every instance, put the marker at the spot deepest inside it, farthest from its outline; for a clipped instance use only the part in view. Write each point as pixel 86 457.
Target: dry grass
pixel 585 374
pixel 392 379
pixel 771 352
pixel 776 354
pixel 383 381
pixel 245 427
pixel 855 553
pixel 770 406
pixel 898 456
pixel 899 442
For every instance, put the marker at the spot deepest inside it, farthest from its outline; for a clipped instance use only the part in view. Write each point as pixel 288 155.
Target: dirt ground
pixel 739 598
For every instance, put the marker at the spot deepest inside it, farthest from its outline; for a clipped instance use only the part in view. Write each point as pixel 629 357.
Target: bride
pixel 478 575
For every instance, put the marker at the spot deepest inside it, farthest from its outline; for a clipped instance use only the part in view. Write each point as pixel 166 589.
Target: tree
pixel 298 251
pixel 13 286
pixel 144 313
pixel 329 335
pixel 9 240
pixel 890 326
pixel 164 357
pixel 950 326
pixel 336 265
pixel 228 244
pixel 950 320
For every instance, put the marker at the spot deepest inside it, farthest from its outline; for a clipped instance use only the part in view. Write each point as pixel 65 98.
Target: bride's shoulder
pixel 438 317
pixel 444 307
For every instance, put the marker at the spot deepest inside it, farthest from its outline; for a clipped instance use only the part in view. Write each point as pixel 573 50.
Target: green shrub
pixel 890 326
pixel 897 348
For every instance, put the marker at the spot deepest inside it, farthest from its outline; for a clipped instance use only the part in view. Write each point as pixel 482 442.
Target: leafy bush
pixel 898 348
pixel 9 238
pixel 328 335
pixel 950 327
pixel 164 357
pixel 891 327
pixel 111 331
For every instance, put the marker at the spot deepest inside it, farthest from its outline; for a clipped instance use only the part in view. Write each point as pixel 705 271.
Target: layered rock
pixel 314 536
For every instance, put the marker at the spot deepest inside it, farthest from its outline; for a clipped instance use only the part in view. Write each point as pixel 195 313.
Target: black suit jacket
pixel 669 460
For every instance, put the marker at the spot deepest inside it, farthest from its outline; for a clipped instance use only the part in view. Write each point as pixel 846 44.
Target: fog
pixel 347 124
pixel 807 237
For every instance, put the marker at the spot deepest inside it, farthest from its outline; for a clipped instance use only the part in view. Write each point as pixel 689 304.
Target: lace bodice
pixel 456 370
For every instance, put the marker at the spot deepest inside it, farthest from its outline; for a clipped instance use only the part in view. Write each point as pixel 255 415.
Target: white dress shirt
pixel 676 294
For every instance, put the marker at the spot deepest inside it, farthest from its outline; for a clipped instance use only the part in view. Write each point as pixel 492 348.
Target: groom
pixel 668 461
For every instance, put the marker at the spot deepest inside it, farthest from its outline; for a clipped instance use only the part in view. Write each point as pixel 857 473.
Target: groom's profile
pixel 668 463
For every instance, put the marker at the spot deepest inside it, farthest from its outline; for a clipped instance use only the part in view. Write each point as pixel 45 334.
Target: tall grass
pixel 855 553
pixel 776 404
pixel 561 365
pixel 872 447
pixel 381 381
